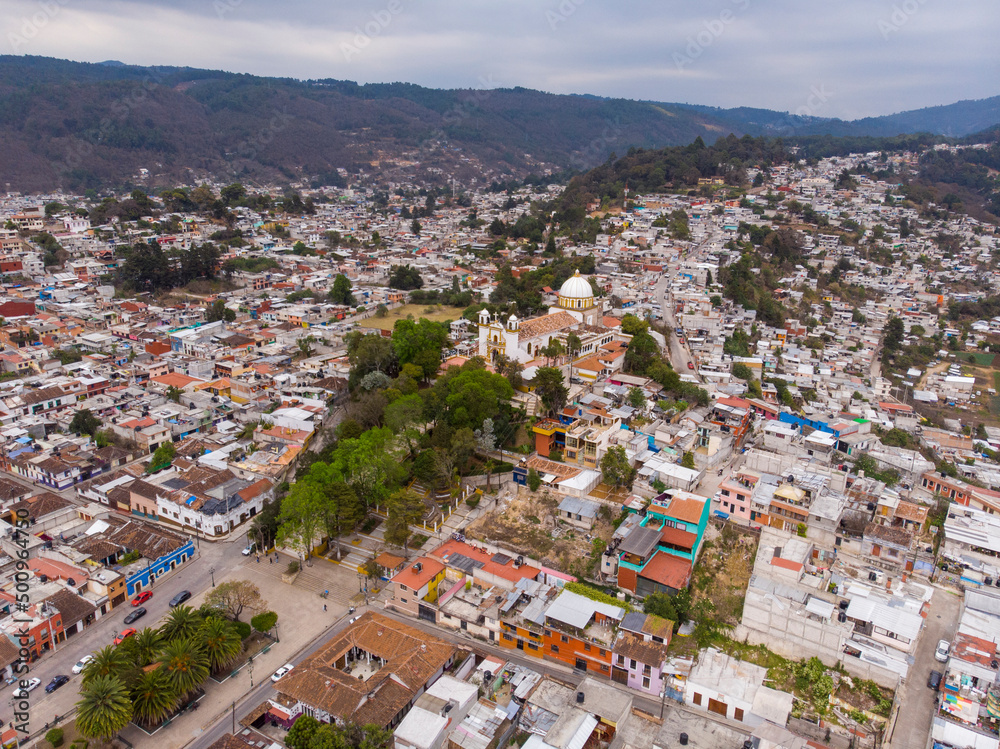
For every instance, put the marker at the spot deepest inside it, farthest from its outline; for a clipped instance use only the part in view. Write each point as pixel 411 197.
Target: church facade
pixel 576 310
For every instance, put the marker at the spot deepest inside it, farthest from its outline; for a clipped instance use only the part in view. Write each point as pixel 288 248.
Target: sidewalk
pixel 301 620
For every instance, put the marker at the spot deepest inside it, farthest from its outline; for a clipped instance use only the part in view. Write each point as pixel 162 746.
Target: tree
pixel 300 517
pixel 485 438
pixel 405 278
pixel 636 398
pixel 152 699
pixel 340 292
pixel 148 642
pixel 217 310
pixel 373 570
pixel 264 621
pixel 163 456
pixel 615 468
pixel 688 461
pixel 305 347
pixel 302 734
pixel 104 708
pixel 534 480
pixel 420 343
pixel 185 664
pixel 550 387
pixel 221 641
pixel 108 661
pixel 892 338
pixel 742 371
pixel 84 422
pixel 509 368
pixel 573 344
pixel 404 507
pixel 415 227
pixel 553 350
pixel 181 623
pixel 371 464
pixel 174 394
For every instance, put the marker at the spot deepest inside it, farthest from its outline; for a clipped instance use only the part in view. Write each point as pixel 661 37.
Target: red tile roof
pixel 667 569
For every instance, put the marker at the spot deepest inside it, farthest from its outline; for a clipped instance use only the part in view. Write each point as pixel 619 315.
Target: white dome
pixel 576 287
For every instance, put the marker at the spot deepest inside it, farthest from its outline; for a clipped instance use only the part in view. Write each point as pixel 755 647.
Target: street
pixel 195 576
pixel 918 703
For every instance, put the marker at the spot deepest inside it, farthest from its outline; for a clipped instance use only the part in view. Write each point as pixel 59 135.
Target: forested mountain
pixel 79 125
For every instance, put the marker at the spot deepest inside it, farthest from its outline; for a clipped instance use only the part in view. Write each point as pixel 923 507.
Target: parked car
pixel 249 549
pixel 281 672
pixel 26 686
pixel 135 615
pixel 57 681
pixel 942 650
pixel 180 598
pixel 934 680
pixel 82 664
pixel 124 635
pixel 142 598
pixel 690 365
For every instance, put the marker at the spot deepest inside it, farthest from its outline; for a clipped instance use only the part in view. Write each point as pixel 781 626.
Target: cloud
pixel 872 56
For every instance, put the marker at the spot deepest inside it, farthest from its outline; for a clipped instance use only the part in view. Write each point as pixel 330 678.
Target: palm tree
pixel 152 699
pixel 222 642
pixel 186 665
pixel 181 623
pixel 108 661
pixel 104 708
pixel 148 642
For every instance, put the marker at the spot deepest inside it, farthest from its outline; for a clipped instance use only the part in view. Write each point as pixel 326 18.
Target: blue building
pixel 144 572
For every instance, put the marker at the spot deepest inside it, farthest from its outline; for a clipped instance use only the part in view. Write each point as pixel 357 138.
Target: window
pixel 645 682
pixel 647 670
pixel 403 600
pixel 604 667
pixel 696 699
pixel 602 651
pixel 632 664
pixel 586 646
pixel 738 714
pixel 555 648
pixel 564 638
pixel 402 588
pixel 532 646
pixel 506 636
pixel 621 659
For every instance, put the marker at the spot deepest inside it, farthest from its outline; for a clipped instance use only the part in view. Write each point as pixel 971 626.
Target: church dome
pixel 576 287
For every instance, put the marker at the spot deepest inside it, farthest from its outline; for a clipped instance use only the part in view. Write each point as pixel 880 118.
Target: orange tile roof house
pixel 369 673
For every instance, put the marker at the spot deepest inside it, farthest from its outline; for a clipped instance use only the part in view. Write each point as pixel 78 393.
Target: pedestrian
pixel 270 561
pixel 324 607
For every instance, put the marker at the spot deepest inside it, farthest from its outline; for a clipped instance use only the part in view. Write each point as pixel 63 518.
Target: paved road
pixel 917 702
pixel 194 576
pixel 679 354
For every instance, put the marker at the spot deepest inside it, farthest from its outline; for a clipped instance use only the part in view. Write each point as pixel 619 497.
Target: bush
pixel 55 737
pixel 534 480
pixel 243 628
pixel 264 621
pixel 293 567
pixel 472 501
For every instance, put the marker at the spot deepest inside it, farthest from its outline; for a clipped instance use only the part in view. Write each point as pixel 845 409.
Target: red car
pixel 142 598
pixel 690 365
pixel 124 635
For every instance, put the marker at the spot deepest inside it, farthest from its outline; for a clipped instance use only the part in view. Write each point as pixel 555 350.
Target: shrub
pixel 293 567
pixel 243 628
pixel 534 480
pixel 55 737
pixel 472 501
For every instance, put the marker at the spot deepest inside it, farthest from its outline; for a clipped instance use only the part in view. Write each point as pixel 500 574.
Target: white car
pixel 276 676
pixel 82 664
pixel 28 686
pixel 942 650
pixel 249 549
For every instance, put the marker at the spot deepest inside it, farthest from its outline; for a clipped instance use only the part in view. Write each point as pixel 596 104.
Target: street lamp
pixel 211 571
pixel 276 638
pixel 250 668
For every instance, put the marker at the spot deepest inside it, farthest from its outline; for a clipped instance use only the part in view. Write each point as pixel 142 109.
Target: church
pixel 577 311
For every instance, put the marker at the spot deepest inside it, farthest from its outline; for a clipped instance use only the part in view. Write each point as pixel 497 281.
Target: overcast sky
pixel 850 58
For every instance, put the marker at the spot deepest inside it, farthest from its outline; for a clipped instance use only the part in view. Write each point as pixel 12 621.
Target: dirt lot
pixel 433 312
pixel 723 571
pixel 527 524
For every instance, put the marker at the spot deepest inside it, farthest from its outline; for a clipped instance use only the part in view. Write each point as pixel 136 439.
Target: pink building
pixel 734 495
